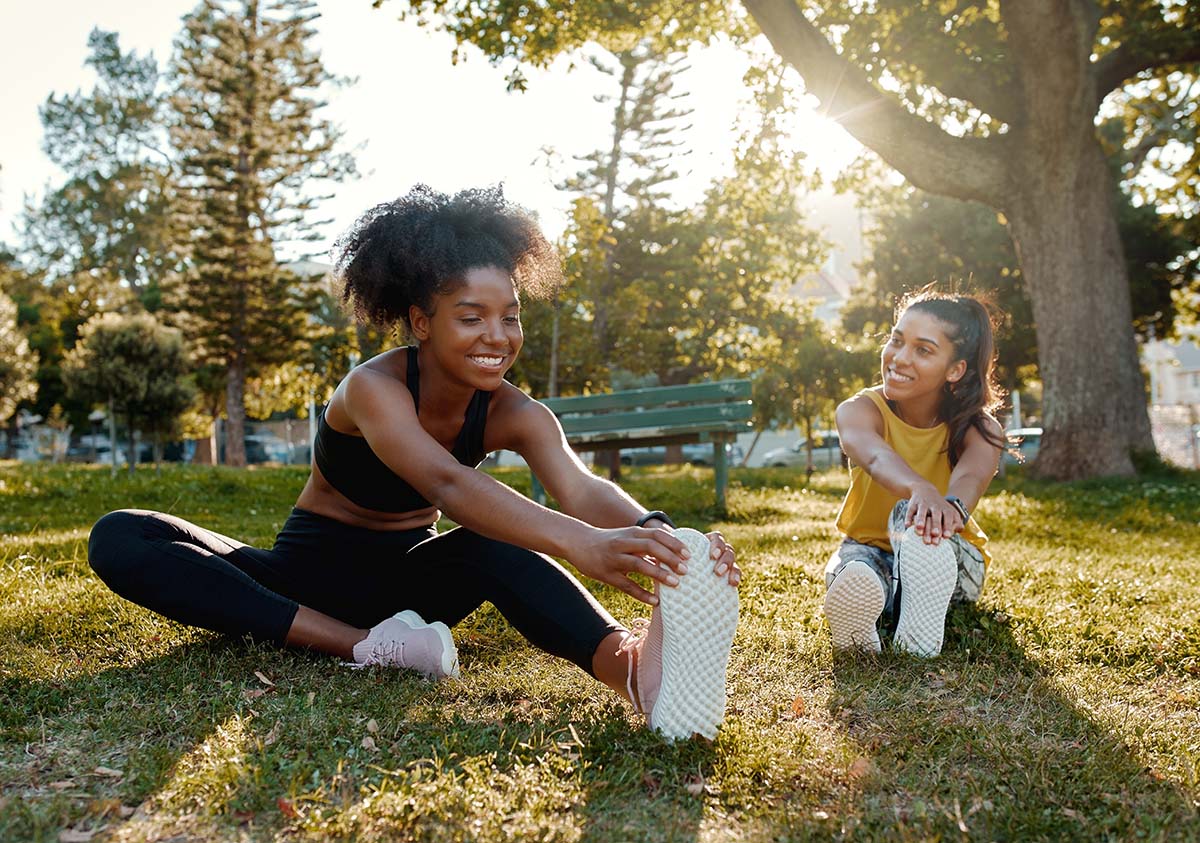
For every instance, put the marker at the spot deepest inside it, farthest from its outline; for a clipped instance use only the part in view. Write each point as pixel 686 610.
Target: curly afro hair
pixel 419 246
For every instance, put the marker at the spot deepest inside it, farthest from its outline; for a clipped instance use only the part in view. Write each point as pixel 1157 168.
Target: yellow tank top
pixel 868 506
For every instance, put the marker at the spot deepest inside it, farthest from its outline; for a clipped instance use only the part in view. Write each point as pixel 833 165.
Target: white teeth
pixel 488 361
pixel 899 376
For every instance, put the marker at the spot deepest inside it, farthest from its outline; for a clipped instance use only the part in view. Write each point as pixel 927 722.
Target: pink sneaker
pixel 406 641
pixel 678 657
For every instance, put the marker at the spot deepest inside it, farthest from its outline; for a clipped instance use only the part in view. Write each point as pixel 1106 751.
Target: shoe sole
pixel 449 650
pixel 927 575
pixel 853 604
pixel 699 618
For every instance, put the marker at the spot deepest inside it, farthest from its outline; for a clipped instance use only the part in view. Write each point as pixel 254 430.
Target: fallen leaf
pixel 285 807
pixel 694 784
pixel 651 783
pixel 108 771
pixel 243 817
pixel 254 693
pixel 859 768
pixel 372 726
pixel 799 706
pixel 820 815
pixel 312 695
pixel 126 811
pixel 71 835
pixel 103 807
pixel 271 736
pixel 63 785
pixel 369 743
pixel 263 679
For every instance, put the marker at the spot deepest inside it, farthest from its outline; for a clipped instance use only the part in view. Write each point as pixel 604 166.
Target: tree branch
pixel 963 168
pixel 1170 47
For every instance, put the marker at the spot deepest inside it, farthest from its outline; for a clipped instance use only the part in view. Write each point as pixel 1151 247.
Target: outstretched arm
pixel 538 437
pixel 382 409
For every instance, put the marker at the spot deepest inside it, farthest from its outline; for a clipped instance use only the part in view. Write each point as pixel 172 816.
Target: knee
pixel 113 543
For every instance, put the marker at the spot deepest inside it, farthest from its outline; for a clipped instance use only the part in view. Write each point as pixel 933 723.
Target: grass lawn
pixel 1065 706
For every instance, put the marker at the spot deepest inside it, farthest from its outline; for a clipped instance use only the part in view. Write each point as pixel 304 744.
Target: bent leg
pixel 188 574
pixel 455 572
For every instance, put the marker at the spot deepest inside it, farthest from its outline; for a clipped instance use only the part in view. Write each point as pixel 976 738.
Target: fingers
pixel 661 545
pixel 635 591
pixel 639 565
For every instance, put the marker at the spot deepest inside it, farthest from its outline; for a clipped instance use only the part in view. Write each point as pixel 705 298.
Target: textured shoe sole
pixel 927 574
pixel 853 604
pixel 449 650
pixel 699 618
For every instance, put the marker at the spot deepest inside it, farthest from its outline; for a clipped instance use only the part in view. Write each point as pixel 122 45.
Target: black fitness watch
pixel 660 515
pixel 957 503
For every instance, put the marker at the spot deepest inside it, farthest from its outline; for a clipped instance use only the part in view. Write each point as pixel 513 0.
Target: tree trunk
pixel 112 436
pixel 1059 203
pixel 235 411
pixel 133 454
pixel 1094 400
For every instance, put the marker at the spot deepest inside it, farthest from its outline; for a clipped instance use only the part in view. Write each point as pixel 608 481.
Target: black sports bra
pixel 351 467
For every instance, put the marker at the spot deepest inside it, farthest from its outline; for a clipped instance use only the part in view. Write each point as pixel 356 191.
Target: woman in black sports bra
pixel 359 570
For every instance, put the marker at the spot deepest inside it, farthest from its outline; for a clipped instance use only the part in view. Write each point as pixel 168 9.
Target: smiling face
pixel 919 359
pixel 474 331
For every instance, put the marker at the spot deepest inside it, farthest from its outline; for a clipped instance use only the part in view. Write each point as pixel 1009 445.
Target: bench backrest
pixel 656 411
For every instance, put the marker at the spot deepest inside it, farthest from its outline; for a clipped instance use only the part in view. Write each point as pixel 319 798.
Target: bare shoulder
pixel 975 439
pixel 514 418
pixel 378 381
pixel 859 413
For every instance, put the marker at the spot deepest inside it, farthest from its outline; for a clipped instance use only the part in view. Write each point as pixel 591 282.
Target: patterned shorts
pixel 971 568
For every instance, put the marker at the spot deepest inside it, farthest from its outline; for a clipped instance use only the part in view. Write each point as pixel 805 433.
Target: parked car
pixel 1024 440
pixel 694 453
pixel 827 452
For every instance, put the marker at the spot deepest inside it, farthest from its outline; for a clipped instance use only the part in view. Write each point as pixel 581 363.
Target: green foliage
pixel 805 370
pixel 108 230
pixel 1061 708
pixel 18 364
pixel 137 366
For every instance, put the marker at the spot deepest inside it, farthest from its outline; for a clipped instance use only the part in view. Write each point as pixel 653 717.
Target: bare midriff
pixel 320 497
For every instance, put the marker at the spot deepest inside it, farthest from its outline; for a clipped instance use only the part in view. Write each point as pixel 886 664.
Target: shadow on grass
pixel 982 742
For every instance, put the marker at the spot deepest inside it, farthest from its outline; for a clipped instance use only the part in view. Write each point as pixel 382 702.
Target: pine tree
pixel 251 140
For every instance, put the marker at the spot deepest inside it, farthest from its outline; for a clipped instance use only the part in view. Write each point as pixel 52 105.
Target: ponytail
pixel 974 399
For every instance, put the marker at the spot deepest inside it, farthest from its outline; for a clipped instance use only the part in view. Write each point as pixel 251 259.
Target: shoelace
pixel 386 649
pixel 638 631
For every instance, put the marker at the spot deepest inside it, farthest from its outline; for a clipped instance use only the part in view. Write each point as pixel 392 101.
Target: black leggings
pixel 356 575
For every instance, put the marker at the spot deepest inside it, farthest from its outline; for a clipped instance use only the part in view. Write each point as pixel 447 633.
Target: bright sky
pixel 411 117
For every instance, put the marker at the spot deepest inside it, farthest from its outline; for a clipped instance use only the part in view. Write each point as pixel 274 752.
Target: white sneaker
pixel 853 604
pixel 695 622
pixel 406 641
pixel 927 575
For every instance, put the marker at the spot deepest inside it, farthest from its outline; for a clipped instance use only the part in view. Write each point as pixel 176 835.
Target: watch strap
pixel 660 515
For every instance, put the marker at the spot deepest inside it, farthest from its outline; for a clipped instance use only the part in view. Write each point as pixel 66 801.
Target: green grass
pixel 1065 706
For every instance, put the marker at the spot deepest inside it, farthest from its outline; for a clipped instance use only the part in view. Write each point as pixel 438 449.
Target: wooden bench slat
pixel 703 416
pixel 732 390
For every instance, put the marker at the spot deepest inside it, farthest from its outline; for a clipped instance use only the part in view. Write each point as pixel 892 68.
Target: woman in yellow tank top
pixel 923 448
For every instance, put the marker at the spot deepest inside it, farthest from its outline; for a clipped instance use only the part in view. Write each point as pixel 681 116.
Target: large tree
pixel 248 129
pixel 993 101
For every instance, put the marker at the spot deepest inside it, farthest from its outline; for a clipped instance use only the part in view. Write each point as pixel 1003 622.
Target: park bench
pixel 668 415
